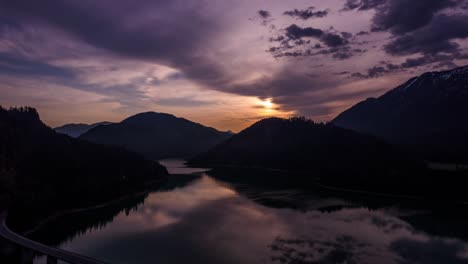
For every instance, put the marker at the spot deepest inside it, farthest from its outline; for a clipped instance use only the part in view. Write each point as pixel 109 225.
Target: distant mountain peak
pixel 435 77
pixel 158 135
pixel 149 114
pixel 77 129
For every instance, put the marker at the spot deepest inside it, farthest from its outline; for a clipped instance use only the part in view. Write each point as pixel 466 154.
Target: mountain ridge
pixel 158 135
pixel 298 144
pixel 43 170
pixel 428 113
pixel 77 129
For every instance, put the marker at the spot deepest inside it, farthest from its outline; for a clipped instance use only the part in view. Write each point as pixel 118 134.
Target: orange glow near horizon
pixel 268 104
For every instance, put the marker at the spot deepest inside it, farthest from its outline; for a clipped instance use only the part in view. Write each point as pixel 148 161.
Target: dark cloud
pixel 342 73
pixel 337 44
pixel 107 25
pixel 333 40
pixel 446 65
pixel 300 42
pixel 418 27
pixel 294 37
pixel 346 35
pixel 264 14
pixel 377 71
pixel 296 32
pixel 290 54
pixel 154 36
pixel 429 252
pixel 373 72
pixel 403 16
pixel 274 86
pixel 429 59
pixel 187 35
pixel 392 67
pixel 362 4
pixel 434 38
pixel 445 61
pixel 362 33
pixel 338 53
pixel 14 65
pixel 306 13
pixel 342 55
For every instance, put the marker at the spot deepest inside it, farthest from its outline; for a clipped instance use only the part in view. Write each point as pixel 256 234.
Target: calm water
pixel 204 220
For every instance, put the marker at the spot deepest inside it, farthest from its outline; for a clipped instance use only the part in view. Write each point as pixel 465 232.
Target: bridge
pixel 30 247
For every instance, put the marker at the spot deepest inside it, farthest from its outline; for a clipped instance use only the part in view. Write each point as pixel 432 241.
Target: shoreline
pixel 58 214
pixel 341 190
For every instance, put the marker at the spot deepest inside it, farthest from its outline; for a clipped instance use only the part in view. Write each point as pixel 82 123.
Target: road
pixel 59 254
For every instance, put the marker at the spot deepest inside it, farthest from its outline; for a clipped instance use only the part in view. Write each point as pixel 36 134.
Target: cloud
pixel 362 4
pixel 212 47
pixel 428 28
pixel 434 38
pixel 296 32
pixel 306 13
pixel 14 65
pixel 429 252
pixel 403 16
pixel 263 14
pixel 296 43
pixel 152 36
pixel 377 71
pixel 443 60
pixel 330 39
pixel 333 40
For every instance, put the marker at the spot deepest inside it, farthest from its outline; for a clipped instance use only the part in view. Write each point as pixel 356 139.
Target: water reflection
pixel 177 166
pixel 208 221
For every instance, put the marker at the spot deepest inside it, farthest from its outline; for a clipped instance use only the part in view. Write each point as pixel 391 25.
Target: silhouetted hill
pixel 41 169
pixel 76 130
pixel 427 114
pixel 323 150
pixel 158 135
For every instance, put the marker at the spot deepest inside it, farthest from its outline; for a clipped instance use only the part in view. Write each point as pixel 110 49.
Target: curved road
pixel 60 254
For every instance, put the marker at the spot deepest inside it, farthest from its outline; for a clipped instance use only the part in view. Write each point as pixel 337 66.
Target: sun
pixel 267 103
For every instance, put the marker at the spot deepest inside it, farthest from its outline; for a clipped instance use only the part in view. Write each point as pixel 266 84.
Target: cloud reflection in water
pixel 206 222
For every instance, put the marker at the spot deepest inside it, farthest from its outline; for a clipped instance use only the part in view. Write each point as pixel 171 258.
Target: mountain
pixel 427 114
pixel 43 170
pixel 323 150
pixel 158 135
pixel 76 130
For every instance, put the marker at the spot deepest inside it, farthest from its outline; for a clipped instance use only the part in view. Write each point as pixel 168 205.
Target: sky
pixel 225 64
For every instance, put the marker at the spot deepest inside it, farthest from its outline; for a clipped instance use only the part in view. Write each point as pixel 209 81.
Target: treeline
pixel 302 153
pixel 316 152
pixel 301 144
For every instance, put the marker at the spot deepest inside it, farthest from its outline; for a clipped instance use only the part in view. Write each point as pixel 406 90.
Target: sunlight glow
pixel 267 103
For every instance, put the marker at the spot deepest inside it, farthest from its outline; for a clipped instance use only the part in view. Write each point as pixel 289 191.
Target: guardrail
pixel 52 254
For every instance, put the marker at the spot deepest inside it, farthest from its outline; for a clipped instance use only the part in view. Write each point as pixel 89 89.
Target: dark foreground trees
pixel 43 170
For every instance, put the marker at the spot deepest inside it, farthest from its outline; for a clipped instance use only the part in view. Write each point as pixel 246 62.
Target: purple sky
pixel 222 63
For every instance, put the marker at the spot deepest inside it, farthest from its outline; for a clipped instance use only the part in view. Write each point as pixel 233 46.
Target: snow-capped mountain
pixel 429 111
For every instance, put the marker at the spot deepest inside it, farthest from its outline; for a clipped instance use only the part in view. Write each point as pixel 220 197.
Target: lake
pixel 200 219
